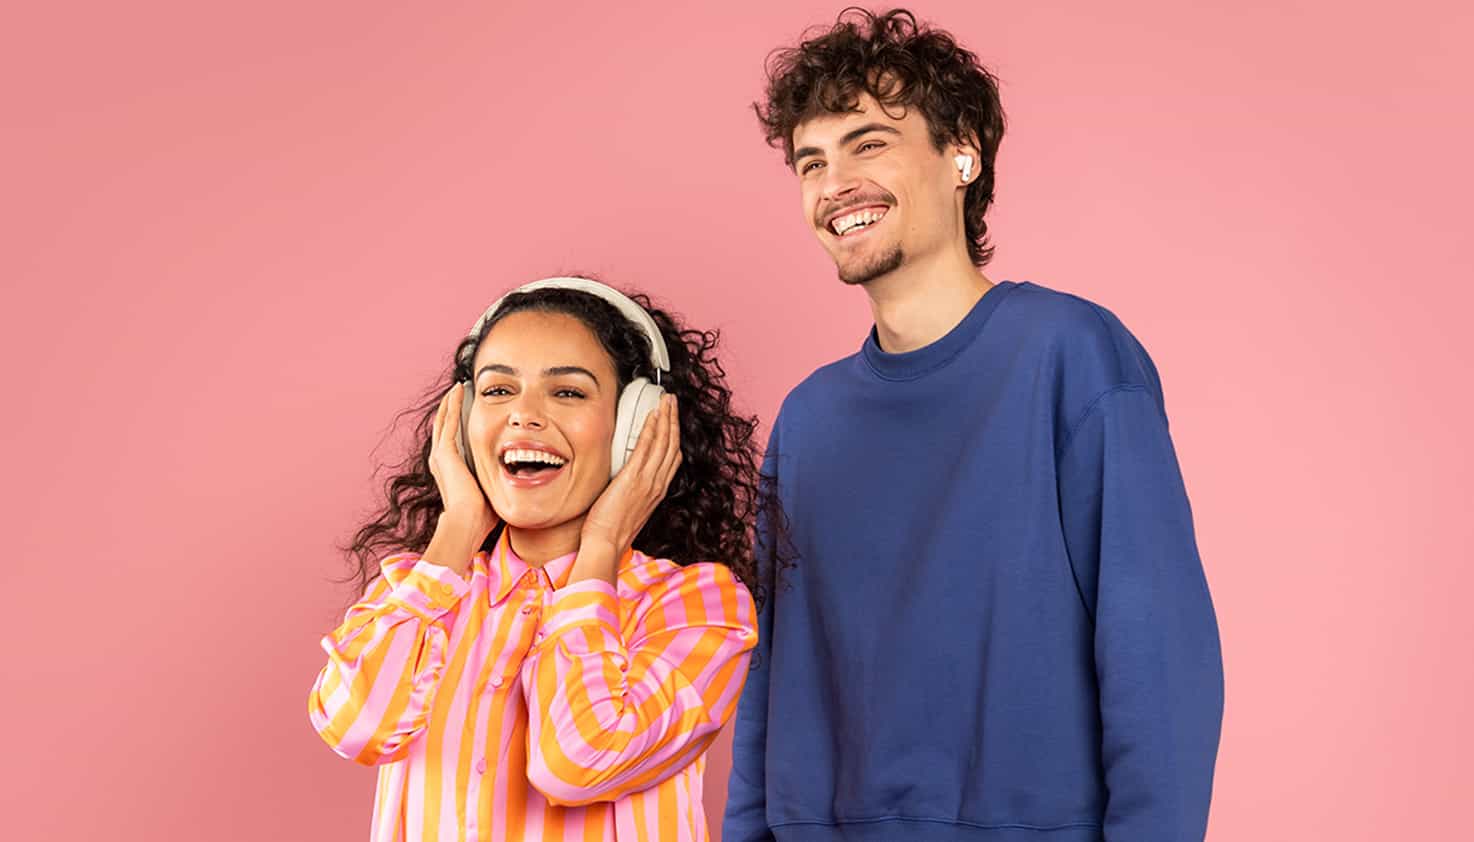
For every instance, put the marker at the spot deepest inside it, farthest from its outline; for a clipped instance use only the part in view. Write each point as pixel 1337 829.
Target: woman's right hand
pixel 468 515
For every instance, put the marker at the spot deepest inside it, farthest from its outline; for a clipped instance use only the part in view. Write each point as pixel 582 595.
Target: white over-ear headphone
pixel 964 163
pixel 636 402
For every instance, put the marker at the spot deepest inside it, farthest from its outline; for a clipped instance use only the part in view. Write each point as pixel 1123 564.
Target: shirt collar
pixel 910 365
pixel 504 569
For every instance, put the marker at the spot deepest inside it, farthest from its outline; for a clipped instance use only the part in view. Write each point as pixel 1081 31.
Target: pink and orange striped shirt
pixel 514 706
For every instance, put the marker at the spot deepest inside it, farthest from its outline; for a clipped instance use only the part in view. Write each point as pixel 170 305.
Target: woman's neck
pixel 540 546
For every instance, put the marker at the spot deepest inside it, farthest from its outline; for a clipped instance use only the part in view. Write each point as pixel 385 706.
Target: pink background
pixel 238 241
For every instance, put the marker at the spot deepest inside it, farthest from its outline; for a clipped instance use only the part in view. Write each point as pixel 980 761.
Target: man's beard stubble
pixel 883 264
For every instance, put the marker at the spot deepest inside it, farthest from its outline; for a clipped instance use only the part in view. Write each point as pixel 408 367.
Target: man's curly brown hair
pixel 902 64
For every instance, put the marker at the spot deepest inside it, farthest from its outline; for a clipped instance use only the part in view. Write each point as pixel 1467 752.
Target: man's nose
pixel 838 180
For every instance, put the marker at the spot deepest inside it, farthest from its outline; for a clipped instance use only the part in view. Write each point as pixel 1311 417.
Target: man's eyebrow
pixel 555 371
pixel 850 137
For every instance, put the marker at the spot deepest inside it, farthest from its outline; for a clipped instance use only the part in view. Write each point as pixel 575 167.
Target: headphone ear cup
pixel 636 402
pixel 463 444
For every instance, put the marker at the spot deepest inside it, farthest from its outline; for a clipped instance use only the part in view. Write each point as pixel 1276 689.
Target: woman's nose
pixel 526 415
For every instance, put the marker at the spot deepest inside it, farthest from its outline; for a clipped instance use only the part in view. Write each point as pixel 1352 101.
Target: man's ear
pixel 966 160
pixel 964 154
pixel 965 163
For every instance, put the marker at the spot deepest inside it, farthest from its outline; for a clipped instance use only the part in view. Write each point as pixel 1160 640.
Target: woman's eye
pixel 568 393
pixel 496 391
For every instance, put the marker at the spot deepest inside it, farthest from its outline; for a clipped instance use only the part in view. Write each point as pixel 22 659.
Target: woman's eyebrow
pixel 497 368
pixel 555 371
pixel 559 370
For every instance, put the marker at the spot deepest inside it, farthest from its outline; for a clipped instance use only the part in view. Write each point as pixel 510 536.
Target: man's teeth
pixel 843 224
pixel 517 455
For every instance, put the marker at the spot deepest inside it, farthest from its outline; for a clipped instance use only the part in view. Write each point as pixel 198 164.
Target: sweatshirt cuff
pixel 592 604
pixel 430 590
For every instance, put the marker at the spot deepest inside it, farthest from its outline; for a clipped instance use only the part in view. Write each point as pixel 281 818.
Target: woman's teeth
pixel 518 459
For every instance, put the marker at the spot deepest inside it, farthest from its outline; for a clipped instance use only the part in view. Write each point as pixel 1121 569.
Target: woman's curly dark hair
pixel 713 498
pixel 901 64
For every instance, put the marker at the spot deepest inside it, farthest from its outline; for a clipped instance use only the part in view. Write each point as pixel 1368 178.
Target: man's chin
pixel 867 269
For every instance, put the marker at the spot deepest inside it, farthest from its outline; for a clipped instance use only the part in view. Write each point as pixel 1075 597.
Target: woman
pixel 547 654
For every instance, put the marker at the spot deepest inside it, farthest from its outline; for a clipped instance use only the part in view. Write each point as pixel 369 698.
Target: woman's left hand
pixel 627 503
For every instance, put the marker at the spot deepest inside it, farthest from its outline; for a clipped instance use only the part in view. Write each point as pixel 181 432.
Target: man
pixel 988 620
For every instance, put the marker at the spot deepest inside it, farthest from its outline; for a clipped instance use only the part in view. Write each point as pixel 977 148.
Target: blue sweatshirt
pixel 996 627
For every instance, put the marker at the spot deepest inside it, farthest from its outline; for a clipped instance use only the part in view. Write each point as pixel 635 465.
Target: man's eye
pixel 870 144
pixel 810 166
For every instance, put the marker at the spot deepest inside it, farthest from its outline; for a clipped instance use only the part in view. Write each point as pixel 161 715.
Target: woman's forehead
pixel 532 340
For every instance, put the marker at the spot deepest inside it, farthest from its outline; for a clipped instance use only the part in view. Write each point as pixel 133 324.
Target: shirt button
pixel 481 766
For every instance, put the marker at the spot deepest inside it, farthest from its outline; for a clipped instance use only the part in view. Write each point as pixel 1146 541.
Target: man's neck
pixel 922 301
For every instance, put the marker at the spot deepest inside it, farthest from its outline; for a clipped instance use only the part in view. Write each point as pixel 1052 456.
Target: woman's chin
pixel 532 519
pixel 541 507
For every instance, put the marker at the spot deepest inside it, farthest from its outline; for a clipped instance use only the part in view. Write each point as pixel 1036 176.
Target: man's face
pixel 875 189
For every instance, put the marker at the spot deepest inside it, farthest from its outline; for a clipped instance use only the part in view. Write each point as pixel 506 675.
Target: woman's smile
pixel 530 464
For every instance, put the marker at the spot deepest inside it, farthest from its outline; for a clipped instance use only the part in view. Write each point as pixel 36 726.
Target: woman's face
pixel 545 395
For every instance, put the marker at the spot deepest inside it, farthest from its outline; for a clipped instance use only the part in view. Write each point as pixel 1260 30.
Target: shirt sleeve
pixel 1128 528
pixel 746 815
pixel 612 712
pixel 373 698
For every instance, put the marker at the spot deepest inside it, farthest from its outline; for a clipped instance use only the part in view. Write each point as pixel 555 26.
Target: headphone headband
pixel 632 311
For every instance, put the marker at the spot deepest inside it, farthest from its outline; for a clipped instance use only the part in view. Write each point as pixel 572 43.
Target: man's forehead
pixel 827 127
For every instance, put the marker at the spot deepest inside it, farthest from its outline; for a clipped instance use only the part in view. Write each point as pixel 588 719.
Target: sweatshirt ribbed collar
pixel 914 364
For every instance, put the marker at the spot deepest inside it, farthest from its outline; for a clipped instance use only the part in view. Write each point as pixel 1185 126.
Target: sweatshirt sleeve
pixel 373 698
pixel 612 711
pixel 746 815
pixel 1129 531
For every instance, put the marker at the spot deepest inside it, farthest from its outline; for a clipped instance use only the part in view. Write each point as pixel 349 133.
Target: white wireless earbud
pixel 964 163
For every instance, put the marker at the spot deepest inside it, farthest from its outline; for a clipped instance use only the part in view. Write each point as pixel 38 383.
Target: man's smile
pixel 851 221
